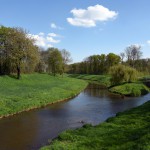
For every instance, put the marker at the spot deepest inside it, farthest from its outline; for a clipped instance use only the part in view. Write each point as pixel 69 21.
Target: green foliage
pixel 55 61
pixel 95 64
pixel 129 130
pixel 17 51
pixel 35 90
pixel 130 89
pixel 121 73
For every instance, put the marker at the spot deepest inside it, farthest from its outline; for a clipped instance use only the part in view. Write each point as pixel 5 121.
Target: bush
pixel 121 73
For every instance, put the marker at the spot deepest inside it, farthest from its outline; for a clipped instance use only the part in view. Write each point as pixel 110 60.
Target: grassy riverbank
pixel 35 90
pixel 130 89
pixel 127 89
pixel 128 130
pixel 103 80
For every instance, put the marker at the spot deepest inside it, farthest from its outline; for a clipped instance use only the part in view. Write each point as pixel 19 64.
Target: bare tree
pixel 122 55
pixel 133 53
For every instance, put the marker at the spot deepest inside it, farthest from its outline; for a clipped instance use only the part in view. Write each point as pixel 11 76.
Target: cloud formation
pixel 43 40
pixel 54 26
pixel 90 16
pixel 148 42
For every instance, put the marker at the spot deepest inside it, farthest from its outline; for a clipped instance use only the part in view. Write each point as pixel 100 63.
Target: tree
pixel 133 53
pixel 112 59
pixel 122 55
pixel 55 61
pixel 66 57
pixel 16 49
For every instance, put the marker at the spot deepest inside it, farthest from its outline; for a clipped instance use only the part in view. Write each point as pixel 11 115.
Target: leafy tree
pixel 112 59
pixel 16 49
pixel 55 61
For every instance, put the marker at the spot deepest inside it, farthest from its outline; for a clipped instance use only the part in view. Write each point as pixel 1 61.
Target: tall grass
pixel 35 90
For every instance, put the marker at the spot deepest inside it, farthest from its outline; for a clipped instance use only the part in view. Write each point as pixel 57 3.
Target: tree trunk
pixel 18 72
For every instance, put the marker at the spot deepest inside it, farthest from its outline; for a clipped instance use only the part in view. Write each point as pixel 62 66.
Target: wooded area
pixel 19 54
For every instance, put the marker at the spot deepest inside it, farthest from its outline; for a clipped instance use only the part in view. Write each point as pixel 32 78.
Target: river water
pixel 31 130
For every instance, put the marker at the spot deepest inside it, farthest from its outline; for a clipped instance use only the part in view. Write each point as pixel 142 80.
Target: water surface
pixel 31 130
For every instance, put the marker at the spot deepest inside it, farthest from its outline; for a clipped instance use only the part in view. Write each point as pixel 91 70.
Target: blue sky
pixel 83 27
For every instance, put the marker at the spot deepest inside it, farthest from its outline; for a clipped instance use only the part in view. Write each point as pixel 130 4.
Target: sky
pixel 83 27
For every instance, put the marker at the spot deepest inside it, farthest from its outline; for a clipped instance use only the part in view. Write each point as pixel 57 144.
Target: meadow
pixel 35 90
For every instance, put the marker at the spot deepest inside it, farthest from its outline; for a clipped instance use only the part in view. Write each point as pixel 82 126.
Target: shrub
pixel 121 73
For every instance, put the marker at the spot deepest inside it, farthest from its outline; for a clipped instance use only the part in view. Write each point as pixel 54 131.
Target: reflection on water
pixel 30 130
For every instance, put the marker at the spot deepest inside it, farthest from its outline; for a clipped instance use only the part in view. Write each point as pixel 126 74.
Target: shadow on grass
pixel 13 76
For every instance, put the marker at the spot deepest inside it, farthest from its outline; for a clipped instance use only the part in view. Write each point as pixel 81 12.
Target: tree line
pixel 101 64
pixel 19 54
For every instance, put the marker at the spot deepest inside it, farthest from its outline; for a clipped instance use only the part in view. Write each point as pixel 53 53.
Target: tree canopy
pixel 16 50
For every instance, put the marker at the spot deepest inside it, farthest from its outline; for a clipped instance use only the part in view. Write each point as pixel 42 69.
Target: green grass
pixel 127 89
pixel 35 90
pixel 130 89
pixel 129 130
pixel 103 80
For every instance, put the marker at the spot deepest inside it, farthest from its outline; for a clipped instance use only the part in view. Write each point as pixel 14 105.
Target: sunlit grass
pixel 101 79
pixel 35 90
pixel 130 89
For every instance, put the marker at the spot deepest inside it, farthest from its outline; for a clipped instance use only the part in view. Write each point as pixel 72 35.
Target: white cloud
pixel 90 16
pixel 148 42
pixel 53 35
pixel 52 40
pixel 54 26
pixel 43 40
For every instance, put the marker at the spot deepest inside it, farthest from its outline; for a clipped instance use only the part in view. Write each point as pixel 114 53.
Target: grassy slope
pixel 129 130
pixel 34 91
pixel 130 89
pixel 101 79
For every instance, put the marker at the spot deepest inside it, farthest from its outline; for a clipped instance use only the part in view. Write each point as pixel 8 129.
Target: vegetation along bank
pixel 35 90
pixel 125 89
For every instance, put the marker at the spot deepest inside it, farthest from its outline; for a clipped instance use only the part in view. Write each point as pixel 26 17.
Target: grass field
pixel 129 130
pixel 103 80
pixel 35 90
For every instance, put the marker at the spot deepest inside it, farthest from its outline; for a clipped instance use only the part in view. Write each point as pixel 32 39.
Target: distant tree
pixel 55 61
pixel 133 53
pixel 122 55
pixel 112 59
pixel 66 57
pixel 42 66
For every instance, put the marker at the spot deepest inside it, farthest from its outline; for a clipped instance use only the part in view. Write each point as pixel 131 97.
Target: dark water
pixel 31 130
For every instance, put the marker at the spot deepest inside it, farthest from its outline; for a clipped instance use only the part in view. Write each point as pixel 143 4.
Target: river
pixel 31 130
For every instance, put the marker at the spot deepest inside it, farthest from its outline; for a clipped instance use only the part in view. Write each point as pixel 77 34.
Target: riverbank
pixel 130 89
pixel 125 89
pixel 128 130
pixel 35 91
pixel 103 80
